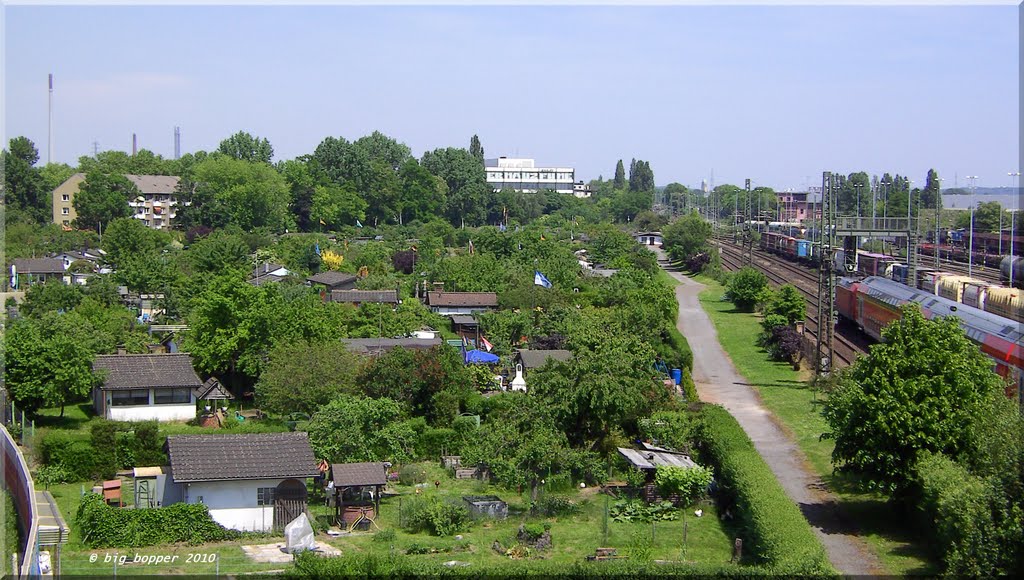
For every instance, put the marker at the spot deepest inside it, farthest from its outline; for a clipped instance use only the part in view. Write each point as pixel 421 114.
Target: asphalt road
pixel 718 382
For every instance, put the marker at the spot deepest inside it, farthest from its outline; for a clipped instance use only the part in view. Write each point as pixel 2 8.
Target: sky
pixel 777 94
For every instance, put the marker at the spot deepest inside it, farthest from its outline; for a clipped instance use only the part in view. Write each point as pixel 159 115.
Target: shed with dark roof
pixel 358 297
pixel 333 280
pixel 139 387
pixel 249 482
pixel 449 303
pixel 25 272
pixel 355 489
pixel 531 359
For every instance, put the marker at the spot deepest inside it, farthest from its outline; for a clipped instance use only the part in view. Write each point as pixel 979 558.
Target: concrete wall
pixel 18 482
pixel 233 503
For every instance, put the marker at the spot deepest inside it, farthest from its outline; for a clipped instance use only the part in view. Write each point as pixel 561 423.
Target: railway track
pixel 978 271
pixel 848 344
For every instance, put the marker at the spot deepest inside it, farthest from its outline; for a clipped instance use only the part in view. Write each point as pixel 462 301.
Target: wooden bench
pixel 602 554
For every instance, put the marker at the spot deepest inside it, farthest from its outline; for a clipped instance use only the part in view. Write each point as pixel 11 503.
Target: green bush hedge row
pixel 775 532
pixel 104 526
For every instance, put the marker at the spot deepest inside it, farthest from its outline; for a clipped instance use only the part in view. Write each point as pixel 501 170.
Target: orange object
pixel 112 491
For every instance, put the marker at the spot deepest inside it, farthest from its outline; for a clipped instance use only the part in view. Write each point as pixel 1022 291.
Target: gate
pixel 289 502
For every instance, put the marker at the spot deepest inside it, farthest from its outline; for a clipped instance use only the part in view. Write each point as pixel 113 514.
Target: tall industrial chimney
pixel 49 144
pixel 177 142
pixel 135 145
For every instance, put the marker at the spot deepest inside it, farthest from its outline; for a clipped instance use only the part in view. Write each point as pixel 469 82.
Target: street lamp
pixel 1013 180
pixel 857 187
pixel 970 246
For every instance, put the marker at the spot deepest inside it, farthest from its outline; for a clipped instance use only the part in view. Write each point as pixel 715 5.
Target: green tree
pixel 688 483
pixel 641 178
pixel 925 388
pixel 24 188
pixel 422 193
pixel 986 217
pixel 418 379
pixel 336 206
pixel 299 176
pixel 303 376
pixel 353 429
pixel 788 303
pixel 747 288
pixel 467 184
pixel 245 147
pixel 102 198
pixel 620 176
pixel 476 149
pixel 686 237
pixel 126 238
pixel 931 195
pixel 249 195
pixel 380 148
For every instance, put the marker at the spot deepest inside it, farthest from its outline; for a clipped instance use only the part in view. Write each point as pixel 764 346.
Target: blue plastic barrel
pixel 677 375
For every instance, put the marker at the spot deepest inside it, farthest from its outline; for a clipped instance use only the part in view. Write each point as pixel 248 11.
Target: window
pixel 129 398
pixel 265 496
pixel 65 211
pixel 65 197
pixel 172 396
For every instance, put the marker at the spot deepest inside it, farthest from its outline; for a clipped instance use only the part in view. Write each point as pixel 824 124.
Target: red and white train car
pixel 874 302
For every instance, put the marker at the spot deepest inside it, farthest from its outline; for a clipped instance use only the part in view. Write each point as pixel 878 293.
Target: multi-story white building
pixel 521 175
pixel 156 204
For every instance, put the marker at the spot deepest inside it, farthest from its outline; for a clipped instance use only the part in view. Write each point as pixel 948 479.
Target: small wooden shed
pixel 355 490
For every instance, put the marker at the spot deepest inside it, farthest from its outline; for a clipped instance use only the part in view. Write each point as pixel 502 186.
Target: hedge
pixel 774 531
pixel 104 526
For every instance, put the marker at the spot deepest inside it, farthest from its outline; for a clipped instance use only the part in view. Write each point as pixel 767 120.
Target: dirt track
pixel 718 382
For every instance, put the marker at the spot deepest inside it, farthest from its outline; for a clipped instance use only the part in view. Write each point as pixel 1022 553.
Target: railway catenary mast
pixel 825 350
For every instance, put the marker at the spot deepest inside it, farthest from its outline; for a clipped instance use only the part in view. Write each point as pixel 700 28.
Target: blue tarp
pixel 480 357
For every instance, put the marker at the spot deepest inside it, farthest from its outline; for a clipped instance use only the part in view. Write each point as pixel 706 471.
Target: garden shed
pixel 648 460
pixel 355 489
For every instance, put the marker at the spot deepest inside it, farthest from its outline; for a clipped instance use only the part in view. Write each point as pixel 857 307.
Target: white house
pixel 648 238
pixel 249 482
pixel 139 387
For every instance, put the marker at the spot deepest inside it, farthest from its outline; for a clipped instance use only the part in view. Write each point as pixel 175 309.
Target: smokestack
pixel 49 144
pixel 177 142
pixel 135 145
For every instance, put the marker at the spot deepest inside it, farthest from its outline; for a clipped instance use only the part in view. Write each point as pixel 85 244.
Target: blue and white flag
pixel 317 248
pixel 540 279
pixel 359 224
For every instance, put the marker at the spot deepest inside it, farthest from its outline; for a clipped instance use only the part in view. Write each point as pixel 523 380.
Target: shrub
pixel 384 536
pixel 75 457
pixel 104 526
pixel 775 532
pixel 747 288
pixel 438 517
pixel 689 484
pixel 412 474
pixel 556 505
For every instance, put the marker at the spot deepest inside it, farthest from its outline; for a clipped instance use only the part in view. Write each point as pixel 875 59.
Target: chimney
pixel 121 349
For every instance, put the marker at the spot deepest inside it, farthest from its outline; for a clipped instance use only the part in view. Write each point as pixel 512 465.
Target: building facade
pixel 522 175
pixel 155 205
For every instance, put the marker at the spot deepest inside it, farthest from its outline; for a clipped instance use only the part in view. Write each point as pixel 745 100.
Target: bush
pixel 775 533
pixel 384 536
pixel 438 517
pixel 74 457
pixel 747 288
pixel 688 484
pixel 104 526
pixel 555 505
pixel 412 474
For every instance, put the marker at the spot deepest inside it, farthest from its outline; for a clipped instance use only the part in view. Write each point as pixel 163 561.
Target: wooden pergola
pixel 356 489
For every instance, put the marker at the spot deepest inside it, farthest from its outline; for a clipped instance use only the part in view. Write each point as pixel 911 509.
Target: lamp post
pixel 938 204
pixel 857 187
pixel 970 243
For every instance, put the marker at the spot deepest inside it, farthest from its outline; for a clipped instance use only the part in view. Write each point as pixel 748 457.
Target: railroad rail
pixel 848 345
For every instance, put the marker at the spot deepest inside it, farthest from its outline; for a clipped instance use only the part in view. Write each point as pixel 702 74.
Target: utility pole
pixel 826 279
pixel 748 235
pixel 970 243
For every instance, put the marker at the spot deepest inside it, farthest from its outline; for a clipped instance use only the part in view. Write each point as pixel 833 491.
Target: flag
pixel 487 344
pixel 540 279
pixel 359 224
pixel 322 222
pixel 317 248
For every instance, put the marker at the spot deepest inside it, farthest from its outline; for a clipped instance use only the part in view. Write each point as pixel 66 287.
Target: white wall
pixel 449 310
pixel 232 504
pixel 182 412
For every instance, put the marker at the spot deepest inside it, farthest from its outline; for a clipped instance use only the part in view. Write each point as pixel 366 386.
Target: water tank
pixel 677 376
pixel 1018 268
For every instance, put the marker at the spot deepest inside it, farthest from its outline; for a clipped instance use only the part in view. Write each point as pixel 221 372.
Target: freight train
pixel 874 302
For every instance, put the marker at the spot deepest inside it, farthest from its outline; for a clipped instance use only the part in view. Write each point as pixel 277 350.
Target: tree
pixel 126 238
pixel 302 376
pixel 476 149
pixel 380 148
pixel 688 483
pixel 422 194
pixel 788 303
pixel 747 288
pixel 102 198
pixel 336 206
pixel 245 147
pixel 641 178
pixel 417 378
pixel 300 180
pixel 931 196
pixel 354 429
pixel 686 237
pixel 48 362
pixel 24 188
pixel 925 388
pixel 466 180
pixel 986 218
pixel 620 176
pixel 249 195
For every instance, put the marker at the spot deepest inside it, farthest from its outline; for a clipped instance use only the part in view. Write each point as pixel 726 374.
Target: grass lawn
pixel 785 392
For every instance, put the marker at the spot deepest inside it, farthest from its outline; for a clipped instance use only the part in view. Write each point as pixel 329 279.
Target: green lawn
pixel 786 394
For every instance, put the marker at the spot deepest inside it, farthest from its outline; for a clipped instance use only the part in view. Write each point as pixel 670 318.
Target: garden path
pixel 717 381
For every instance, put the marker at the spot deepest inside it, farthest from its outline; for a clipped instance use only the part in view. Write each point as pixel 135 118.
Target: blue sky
pixel 774 93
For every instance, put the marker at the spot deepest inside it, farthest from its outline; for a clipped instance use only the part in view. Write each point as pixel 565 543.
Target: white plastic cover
pixel 298 535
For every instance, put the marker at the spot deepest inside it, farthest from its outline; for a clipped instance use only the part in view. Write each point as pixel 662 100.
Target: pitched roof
pixel 463 320
pixel 39 265
pixel 647 459
pixel 377 345
pixel 532 359
pixel 268 270
pixel 138 371
pixel 242 456
pixel 154 183
pixel 354 474
pixel 379 296
pixel 331 278
pixel 483 299
pixel 213 390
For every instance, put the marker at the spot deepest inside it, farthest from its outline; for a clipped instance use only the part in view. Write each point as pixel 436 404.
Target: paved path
pixel 718 382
